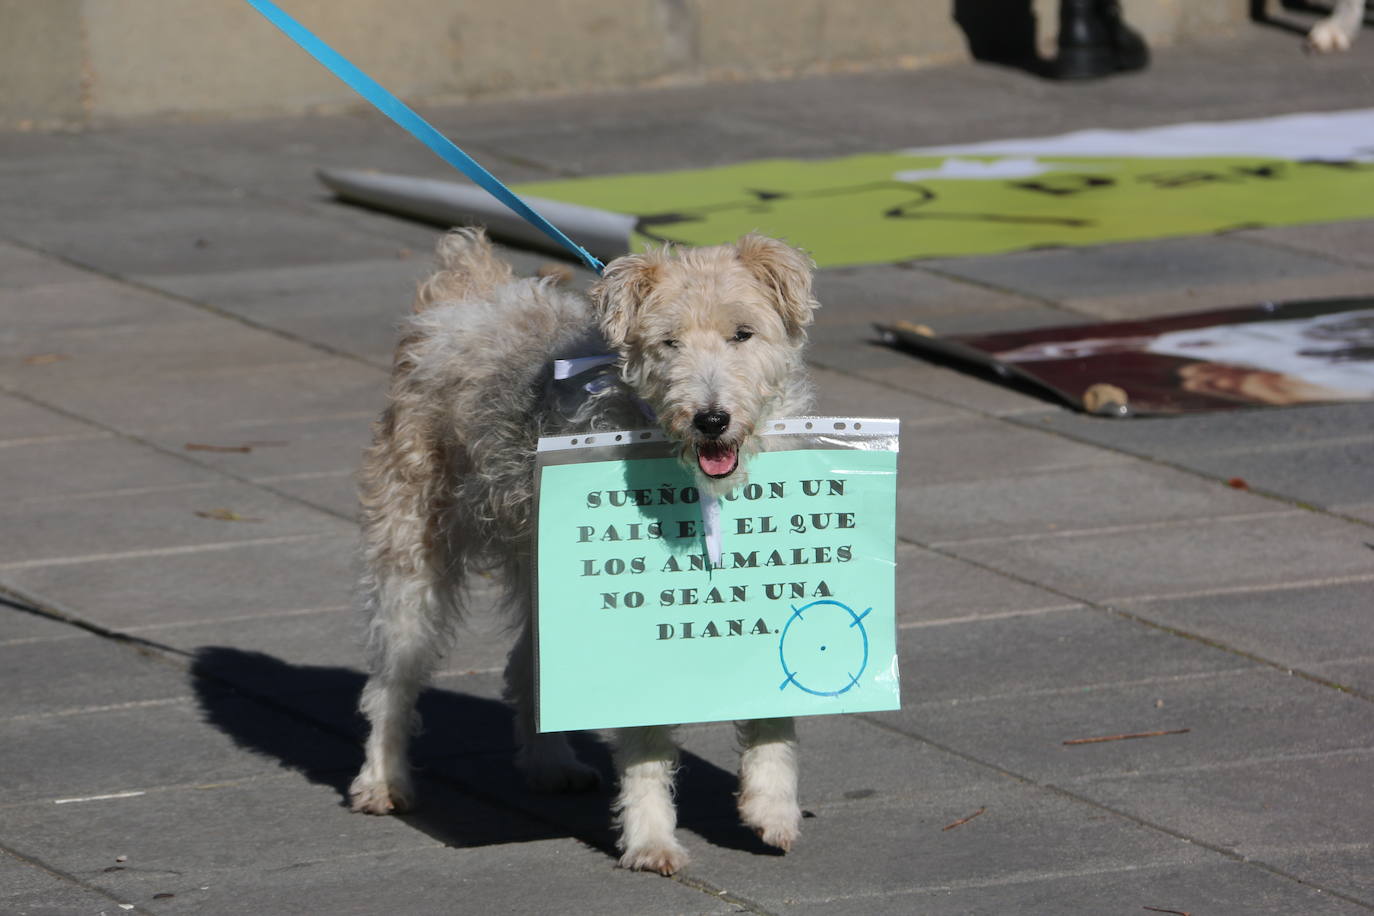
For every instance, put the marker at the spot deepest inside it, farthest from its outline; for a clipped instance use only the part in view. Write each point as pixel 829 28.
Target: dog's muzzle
pixel 715 458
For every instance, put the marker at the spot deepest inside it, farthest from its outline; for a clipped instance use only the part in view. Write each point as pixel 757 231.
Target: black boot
pixel 1095 41
pixel 1131 53
pixel 1085 44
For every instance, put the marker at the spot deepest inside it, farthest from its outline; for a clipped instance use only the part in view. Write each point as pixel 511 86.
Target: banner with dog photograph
pixel 1269 355
pixel 642 620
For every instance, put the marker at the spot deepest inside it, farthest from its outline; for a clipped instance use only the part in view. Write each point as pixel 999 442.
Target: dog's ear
pixel 786 273
pixel 618 297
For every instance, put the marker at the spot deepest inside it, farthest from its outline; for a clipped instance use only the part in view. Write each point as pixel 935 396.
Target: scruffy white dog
pixel 1339 30
pixel 710 339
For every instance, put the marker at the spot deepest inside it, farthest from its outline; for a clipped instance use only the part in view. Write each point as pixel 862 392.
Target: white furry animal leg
pixel 768 780
pixel 1339 30
pixel 547 759
pixel 405 645
pixel 647 761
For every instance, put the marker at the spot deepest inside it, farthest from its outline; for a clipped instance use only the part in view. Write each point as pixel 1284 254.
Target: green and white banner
pixel 1084 188
pixel 636 624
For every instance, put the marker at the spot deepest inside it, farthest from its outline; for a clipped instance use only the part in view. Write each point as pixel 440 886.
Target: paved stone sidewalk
pixel 177 652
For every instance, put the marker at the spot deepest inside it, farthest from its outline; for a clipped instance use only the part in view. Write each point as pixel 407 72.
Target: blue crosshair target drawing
pixel 824 648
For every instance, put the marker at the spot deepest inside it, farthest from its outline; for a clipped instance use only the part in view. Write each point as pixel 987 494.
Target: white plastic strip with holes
pixel 780 426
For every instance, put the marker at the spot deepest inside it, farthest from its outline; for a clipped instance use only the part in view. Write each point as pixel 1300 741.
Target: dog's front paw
pixel 377 796
pixel 664 858
pixel 1327 37
pixel 777 821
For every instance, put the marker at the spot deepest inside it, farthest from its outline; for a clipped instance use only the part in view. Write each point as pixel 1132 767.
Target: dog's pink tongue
pixel 717 460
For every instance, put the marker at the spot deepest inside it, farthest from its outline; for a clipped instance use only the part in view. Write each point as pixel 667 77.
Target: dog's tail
pixel 468 269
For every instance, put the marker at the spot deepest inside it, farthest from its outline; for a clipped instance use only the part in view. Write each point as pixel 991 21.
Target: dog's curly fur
pixel 710 339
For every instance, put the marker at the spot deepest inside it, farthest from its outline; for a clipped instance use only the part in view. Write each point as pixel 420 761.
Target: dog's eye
pixel 671 343
pixel 742 334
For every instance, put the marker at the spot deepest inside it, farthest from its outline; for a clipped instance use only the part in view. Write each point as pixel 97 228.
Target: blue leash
pixel 417 126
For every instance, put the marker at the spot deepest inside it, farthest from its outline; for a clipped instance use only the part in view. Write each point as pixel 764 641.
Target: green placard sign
pixel 637 625
pixel 897 206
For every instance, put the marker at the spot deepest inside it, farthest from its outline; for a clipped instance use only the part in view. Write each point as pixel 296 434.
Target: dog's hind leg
pixel 768 780
pixel 406 639
pixel 546 759
pixel 647 761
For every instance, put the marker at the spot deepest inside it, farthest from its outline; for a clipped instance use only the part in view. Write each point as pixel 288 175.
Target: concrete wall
pixel 83 62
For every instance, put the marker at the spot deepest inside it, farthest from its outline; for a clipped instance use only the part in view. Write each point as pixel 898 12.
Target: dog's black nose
pixel 711 422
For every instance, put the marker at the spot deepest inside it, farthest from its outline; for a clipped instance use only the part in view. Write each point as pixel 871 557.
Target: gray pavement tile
pixel 62 530
pixel 232 153
pixel 462 711
pixel 335 492
pixel 143 747
pixel 28 889
pixel 963 103
pixel 840 394
pixel 1227 83
pixel 1025 833
pixel 485 765
pixel 845 759
pixel 1220 887
pixel 66 176
pixel 1223 430
pixel 275 450
pixel 1225 292
pixel 155 224
pixel 936 382
pixel 932 589
pixel 1364 511
pixel 22 422
pixel 331 636
pixel 1182 558
pixel 180 840
pixel 1133 268
pixel 204 586
pixel 467 724
pixel 1260 810
pixel 94 309
pixel 606 143
pixel 1352 674
pixel 848 347
pixel 510 878
pixel 903 292
pixel 979 448
pixel 875 112
pixel 1351 241
pixel 354 306
pixel 21 622
pixel 1062 501
pixel 872 110
pixel 91 671
pixel 1294 626
pixel 464 751
pixel 1345 866
pixel 79 467
pixel 1315 474
pixel 1235 717
pixel 21 268
pixel 1024 318
pixel 215 398
pixel 1072 649
pixel 143 334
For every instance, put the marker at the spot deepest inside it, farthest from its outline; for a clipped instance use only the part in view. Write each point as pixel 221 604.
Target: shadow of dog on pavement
pixel 468 791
